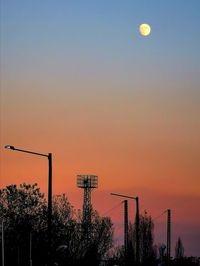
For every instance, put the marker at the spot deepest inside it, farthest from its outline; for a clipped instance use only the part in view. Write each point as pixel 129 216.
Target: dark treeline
pixel 23 211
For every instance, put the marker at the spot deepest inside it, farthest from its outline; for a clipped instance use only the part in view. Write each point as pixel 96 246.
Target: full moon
pixel 145 29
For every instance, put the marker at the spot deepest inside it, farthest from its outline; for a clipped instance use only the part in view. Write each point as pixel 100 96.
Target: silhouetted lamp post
pixel 49 215
pixel 2 242
pixel 137 223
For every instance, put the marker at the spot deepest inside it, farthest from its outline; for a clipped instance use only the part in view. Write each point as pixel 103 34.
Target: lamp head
pixel 9 147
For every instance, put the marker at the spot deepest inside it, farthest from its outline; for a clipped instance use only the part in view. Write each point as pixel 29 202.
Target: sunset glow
pixel 75 84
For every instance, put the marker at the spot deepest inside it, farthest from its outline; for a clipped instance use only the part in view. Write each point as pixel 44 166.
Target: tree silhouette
pixel 24 212
pixel 148 251
pixel 146 239
pixel 179 249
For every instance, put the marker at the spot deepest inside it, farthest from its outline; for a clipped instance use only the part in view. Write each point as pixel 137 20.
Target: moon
pixel 145 29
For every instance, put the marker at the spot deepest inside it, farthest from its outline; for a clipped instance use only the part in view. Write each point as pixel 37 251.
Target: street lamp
pixel 49 214
pixel 137 221
pixel 2 242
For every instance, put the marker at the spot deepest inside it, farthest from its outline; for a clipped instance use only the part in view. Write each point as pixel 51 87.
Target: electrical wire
pixel 112 209
pixel 159 215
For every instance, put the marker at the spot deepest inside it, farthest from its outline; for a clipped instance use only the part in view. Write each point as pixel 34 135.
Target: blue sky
pixel 102 29
pixel 81 38
pixel 77 74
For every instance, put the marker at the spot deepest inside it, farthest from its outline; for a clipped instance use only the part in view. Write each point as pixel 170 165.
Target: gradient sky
pixel 78 80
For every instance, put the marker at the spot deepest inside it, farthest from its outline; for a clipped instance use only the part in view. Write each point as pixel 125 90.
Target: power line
pixel 159 215
pixel 112 209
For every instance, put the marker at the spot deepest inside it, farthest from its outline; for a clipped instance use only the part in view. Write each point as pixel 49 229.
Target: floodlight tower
pixel 87 182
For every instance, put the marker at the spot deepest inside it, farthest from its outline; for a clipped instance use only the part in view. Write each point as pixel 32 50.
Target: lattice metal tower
pixel 87 182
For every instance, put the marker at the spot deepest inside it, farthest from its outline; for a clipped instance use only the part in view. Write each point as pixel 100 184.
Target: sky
pixel 78 80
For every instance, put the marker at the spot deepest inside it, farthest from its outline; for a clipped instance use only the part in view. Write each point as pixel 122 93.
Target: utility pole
pixel 2 247
pixel 168 236
pixel 137 224
pixel 137 227
pixel 30 247
pixel 126 228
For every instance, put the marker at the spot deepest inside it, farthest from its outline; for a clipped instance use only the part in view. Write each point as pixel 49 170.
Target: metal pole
pixel 125 229
pixel 18 255
pixel 30 254
pixel 49 215
pixel 137 224
pixel 49 207
pixel 26 151
pixel 2 234
pixel 168 235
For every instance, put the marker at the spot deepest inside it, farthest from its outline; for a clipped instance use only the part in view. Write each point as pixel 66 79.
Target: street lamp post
pixel 137 223
pixel 49 214
pixel 2 242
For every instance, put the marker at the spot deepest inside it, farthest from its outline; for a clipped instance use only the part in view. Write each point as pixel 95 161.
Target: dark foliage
pixel 24 214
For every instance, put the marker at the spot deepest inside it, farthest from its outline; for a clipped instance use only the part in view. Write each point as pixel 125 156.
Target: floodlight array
pixel 87 181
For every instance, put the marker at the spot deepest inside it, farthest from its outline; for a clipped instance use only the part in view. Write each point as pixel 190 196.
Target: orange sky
pixel 105 101
pixel 135 149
